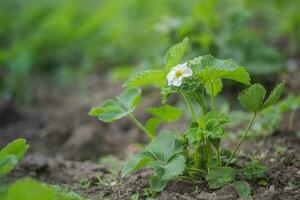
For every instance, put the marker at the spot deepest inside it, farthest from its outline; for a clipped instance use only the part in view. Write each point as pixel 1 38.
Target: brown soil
pixel 65 140
pixel 283 169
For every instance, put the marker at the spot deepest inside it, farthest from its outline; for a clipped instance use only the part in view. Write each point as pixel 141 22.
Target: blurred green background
pixel 65 40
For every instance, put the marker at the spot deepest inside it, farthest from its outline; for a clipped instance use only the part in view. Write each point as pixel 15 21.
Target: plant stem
pixel 212 98
pixel 219 156
pixel 196 157
pixel 208 147
pixel 189 104
pixel 138 124
pixel 201 103
pixel 242 138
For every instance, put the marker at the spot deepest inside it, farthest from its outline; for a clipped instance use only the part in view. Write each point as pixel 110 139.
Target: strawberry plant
pixel 196 152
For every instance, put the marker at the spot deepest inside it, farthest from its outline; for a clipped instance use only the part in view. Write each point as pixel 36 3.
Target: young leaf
pixel 211 122
pixel 243 189
pixel 219 177
pixel 137 162
pixel 210 69
pixel 274 96
pixel 175 53
pixel 166 113
pixel 252 98
pixel 217 87
pixel 192 136
pixel 11 154
pixel 148 77
pixel 164 147
pixel 27 189
pixel 114 109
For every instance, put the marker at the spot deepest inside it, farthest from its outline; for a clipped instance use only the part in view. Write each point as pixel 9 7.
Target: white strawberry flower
pixel 177 73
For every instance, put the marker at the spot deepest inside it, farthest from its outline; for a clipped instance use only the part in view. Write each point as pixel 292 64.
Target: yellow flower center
pixel 178 74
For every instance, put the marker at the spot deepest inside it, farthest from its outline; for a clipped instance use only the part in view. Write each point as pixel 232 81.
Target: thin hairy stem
pixel 191 108
pixel 201 102
pixel 242 139
pixel 212 97
pixel 138 124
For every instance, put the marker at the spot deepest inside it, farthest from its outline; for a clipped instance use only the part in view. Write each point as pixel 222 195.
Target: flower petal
pixel 187 72
pixel 177 82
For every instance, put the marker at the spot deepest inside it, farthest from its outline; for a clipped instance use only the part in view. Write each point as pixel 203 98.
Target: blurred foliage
pixel 69 39
pixel 281 116
pixel 29 189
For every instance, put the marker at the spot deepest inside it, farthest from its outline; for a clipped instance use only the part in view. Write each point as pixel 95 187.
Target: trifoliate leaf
pixel 274 96
pixel 217 87
pixel 11 154
pixel 220 176
pixel 148 77
pixel 210 69
pixel 252 98
pixel 27 189
pixel 166 113
pixel 164 147
pixel 243 189
pixel 114 109
pixel 175 53
pixel 137 162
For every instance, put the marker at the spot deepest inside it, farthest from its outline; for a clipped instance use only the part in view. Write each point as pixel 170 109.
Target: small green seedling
pixel 197 151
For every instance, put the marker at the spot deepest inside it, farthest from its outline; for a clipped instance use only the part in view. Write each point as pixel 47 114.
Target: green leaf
pixel 174 168
pixel 252 98
pixel 137 162
pixel 210 69
pixel 211 124
pixel 166 113
pixel 217 87
pixel 192 136
pixel 219 177
pixel 152 125
pixel 164 147
pixel 7 164
pixel 166 172
pixel 114 109
pixel 157 184
pixel 254 170
pixel 27 189
pixel 11 154
pixel 148 77
pixel 274 96
pixel 243 189
pixel 175 53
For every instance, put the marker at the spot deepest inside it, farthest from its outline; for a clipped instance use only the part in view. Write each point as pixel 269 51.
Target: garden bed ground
pixel 66 144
